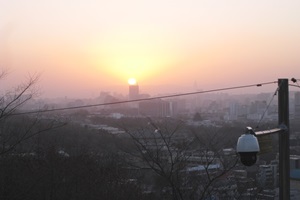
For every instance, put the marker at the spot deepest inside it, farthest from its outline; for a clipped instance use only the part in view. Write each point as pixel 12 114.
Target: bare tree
pixel 216 164
pixel 15 127
pixel 156 149
pixel 190 165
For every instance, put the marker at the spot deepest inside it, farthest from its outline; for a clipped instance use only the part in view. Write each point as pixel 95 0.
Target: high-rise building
pixel 267 176
pixel 133 91
pixel 133 94
pixel 297 105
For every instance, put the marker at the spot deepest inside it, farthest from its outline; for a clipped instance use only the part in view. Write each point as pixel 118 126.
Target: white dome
pixel 247 143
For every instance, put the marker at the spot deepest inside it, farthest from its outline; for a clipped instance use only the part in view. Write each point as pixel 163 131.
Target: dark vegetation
pixel 67 163
pixel 43 157
pixel 76 162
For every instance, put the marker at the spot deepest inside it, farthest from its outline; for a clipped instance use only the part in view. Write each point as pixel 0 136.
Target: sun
pixel 132 81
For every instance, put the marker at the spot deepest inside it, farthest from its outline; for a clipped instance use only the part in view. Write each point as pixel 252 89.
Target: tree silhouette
pixel 14 128
pixel 187 165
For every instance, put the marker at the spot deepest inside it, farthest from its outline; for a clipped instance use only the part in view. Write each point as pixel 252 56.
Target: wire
pixel 143 99
pixel 263 115
pixel 298 86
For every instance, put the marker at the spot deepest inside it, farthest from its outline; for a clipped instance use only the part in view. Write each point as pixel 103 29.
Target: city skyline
pixel 81 48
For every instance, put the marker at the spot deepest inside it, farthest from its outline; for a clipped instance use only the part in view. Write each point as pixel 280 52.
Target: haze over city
pixel 80 48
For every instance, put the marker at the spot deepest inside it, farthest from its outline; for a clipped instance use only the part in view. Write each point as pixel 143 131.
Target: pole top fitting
pixel 249 130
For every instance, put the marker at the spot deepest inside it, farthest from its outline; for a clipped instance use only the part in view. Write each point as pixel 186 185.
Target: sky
pixel 80 48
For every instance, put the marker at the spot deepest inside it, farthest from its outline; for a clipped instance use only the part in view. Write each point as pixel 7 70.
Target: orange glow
pixel 133 54
pixel 87 48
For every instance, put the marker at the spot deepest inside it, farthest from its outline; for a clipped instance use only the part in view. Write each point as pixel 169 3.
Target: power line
pixel 144 99
pixel 298 86
pixel 267 108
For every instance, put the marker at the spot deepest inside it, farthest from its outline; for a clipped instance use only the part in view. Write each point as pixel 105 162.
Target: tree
pixel 69 162
pixel 15 127
pixel 72 163
pixel 216 164
pixel 188 163
pixel 157 150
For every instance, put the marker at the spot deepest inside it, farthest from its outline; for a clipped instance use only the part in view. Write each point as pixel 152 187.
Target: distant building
pixel 233 110
pixel 155 108
pixel 267 176
pixel 257 109
pixel 297 105
pixel 295 167
pixel 133 92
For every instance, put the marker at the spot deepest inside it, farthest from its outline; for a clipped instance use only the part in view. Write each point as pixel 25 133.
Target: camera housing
pixel 248 147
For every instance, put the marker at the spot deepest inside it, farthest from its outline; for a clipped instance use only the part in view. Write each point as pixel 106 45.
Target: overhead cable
pixel 143 99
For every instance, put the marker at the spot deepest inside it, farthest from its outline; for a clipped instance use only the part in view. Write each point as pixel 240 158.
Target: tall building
pixel 233 110
pixel 133 94
pixel 133 91
pixel 267 176
pixel 297 105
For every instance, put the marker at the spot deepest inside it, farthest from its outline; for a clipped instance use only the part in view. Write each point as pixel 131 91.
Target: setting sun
pixel 132 81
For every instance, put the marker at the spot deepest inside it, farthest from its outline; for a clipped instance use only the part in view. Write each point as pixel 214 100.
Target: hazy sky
pixel 83 47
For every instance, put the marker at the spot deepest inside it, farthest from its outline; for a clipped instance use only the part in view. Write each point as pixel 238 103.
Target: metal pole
pixel 284 140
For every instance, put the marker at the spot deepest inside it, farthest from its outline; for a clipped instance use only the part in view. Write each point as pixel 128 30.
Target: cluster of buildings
pixel 219 106
pixel 211 106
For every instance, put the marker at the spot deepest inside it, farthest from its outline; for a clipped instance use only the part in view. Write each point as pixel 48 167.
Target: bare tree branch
pixel 22 94
pixel 15 129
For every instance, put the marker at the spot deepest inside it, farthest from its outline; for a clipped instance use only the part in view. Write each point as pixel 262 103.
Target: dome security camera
pixel 248 147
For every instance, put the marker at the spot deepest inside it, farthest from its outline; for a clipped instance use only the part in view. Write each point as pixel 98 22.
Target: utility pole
pixel 284 140
pixel 246 143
